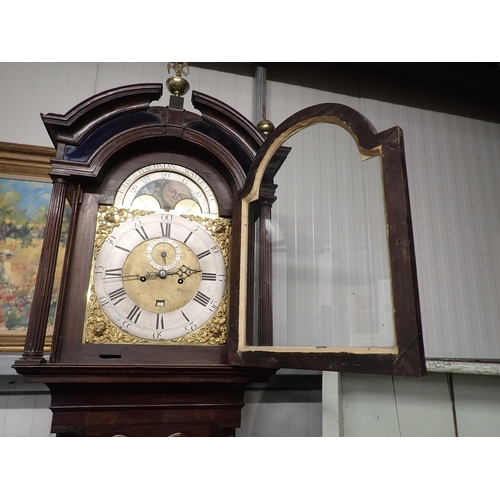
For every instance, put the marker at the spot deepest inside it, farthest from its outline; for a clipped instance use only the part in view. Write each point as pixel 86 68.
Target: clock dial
pixel 155 286
pixel 169 187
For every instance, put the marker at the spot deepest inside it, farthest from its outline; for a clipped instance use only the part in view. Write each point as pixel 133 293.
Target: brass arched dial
pixel 159 276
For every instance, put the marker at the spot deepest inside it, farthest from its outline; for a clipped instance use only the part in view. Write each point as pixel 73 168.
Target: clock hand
pixel 184 272
pixel 119 277
pixel 128 277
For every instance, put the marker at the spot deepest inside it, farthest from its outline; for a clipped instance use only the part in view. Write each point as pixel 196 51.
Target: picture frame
pixel 25 189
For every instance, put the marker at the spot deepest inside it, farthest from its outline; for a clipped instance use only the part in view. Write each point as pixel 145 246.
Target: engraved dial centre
pixel 162 291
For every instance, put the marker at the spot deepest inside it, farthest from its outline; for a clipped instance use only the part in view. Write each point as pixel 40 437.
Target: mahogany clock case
pixel 126 389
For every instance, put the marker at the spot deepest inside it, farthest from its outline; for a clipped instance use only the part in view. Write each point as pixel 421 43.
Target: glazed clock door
pixel 324 259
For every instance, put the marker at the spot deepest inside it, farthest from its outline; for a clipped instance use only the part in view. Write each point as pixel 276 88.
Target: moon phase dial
pixel 169 187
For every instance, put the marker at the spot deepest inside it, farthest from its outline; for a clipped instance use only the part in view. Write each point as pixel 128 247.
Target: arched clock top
pixel 165 305
pixel 92 136
pixel 367 139
pixel 92 113
pixel 225 121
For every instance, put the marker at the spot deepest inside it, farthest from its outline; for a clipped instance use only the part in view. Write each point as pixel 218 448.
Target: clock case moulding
pixel 98 144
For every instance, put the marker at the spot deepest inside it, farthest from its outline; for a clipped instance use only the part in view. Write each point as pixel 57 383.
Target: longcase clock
pixel 165 311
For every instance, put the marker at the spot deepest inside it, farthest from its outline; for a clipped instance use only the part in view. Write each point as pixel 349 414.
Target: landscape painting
pixel 23 214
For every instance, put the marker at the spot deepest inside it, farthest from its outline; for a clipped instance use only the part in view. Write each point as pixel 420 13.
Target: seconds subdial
pixel 163 254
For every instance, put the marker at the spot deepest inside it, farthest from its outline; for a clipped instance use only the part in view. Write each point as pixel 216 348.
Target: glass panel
pixel 330 259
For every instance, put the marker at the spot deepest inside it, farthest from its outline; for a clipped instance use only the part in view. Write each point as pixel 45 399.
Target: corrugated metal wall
pixel 331 276
pixel 453 169
pixel 25 415
pixel 284 413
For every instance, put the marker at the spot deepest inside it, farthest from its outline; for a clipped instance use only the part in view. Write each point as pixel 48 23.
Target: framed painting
pixel 25 190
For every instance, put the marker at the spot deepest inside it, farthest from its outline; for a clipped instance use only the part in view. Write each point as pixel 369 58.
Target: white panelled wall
pixel 454 177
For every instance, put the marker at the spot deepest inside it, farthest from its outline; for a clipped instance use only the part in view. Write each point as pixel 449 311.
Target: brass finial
pixel 177 85
pixel 265 126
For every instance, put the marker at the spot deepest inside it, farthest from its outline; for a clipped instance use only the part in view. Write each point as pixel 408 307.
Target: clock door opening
pixel 325 266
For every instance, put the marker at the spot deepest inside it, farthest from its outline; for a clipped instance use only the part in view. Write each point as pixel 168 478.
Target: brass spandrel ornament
pixel 214 332
pixel 219 228
pixel 100 330
pixel 108 219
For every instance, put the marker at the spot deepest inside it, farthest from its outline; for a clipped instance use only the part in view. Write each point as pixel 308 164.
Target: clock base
pixel 152 401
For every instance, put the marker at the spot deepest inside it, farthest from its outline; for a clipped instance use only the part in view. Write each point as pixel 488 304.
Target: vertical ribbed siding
pixel 287 413
pixel 453 178
pixel 330 253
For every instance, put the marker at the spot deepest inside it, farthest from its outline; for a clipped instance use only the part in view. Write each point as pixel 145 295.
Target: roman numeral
pixel 124 249
pixel 103 302
pixel 208 276
pixel 185 317
pixel 113 273
pixel 159 322
pixel 142 233
pixel 203 254
pixel 117 296
pixel 188 236
pixel 165 229
pixel 202 299
pixel 134 314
